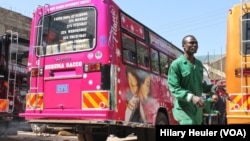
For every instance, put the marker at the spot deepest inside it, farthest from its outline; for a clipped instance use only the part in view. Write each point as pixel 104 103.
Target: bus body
pixel 13 81
pixel 238 64
pixel 104 67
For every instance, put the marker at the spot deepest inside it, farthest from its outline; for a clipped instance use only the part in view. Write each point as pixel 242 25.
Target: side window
pixel 129 49
pixel 142 55
pixel 163 64
pixel 170 60
pixel 155 61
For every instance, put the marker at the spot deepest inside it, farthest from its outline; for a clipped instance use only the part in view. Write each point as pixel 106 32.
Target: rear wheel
pixel 161 119
pixel 122 131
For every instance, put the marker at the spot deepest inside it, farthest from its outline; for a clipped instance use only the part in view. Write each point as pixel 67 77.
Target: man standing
pixel 185 81
pixel 211 114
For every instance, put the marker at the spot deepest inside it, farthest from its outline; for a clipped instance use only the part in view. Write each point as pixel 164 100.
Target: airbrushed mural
pixel 144 93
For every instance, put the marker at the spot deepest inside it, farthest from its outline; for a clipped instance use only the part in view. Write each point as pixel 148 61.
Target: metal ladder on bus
pixel 12 69
pixel 244 51
pixel 39 44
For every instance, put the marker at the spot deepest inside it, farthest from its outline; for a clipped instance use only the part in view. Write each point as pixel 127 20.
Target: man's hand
pixel 133 103
pixel 220 90
pixel 198 101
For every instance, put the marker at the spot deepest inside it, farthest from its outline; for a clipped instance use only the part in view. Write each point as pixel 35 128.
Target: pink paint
pixel 63 64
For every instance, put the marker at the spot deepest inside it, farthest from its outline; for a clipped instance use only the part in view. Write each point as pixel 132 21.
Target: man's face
pixel 191 45
pixel 145 88
pixel 215 98
pixel 51 36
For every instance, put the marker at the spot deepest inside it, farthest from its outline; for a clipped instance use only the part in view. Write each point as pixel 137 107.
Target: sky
pixel 172 19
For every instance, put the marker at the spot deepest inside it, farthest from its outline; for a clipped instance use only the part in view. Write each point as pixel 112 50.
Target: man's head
pixel 50 36
pixel 215 98
pixel 190 44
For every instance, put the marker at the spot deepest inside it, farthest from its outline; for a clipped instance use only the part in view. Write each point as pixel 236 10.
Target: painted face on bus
pixel 133 83
pixel 145 88
pixel 190 45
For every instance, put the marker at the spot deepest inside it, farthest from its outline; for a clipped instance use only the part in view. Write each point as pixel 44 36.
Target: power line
pixel 186 28
pixel 192 19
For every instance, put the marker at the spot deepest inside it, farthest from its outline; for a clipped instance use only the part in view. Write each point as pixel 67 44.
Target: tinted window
pixel 163 64
pixel 155 61
pixel 142 55
pixel 129 50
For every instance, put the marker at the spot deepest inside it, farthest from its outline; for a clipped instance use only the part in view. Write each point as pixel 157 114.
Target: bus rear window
pixel 67 31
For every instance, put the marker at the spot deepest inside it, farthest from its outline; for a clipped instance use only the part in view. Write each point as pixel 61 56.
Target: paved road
pixel 29 136
pixel 11 127
pixel 19 130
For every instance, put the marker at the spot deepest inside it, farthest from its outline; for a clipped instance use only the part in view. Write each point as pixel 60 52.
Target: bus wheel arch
pixel 162 117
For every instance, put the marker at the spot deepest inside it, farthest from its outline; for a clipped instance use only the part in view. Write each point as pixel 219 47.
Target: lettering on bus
pixel 76 25
pixel 63 65
pixel 66 5
pixel 18 68
pixel 114 27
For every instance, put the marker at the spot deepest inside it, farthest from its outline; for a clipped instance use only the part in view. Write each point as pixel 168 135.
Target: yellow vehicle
pixel 238 64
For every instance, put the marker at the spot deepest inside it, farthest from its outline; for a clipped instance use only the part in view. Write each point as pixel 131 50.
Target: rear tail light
pixel 92 67
pixel 36 72
pixel 239 72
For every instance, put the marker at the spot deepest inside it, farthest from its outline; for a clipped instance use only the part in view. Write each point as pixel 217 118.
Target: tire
pixel 122 131
pixel 161 119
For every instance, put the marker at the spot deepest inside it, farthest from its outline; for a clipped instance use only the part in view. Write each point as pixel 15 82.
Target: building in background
pixel 14 21
pixel 215 65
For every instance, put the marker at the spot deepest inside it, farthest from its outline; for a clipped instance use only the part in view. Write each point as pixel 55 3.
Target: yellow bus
pixel 238 64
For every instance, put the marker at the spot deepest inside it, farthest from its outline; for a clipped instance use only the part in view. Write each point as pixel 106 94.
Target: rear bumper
pixel 67 114
pixel 238 119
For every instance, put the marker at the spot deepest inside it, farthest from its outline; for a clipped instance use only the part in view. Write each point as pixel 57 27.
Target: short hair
pixel 184 38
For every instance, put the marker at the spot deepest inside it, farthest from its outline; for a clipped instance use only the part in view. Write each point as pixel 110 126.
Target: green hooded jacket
pixel 185 79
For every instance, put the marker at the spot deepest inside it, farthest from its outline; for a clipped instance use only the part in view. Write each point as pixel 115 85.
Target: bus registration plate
pixel 62 88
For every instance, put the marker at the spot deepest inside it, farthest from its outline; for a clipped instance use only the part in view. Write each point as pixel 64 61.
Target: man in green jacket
pixel 210 112
pixel 210 104
pixel 185 81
